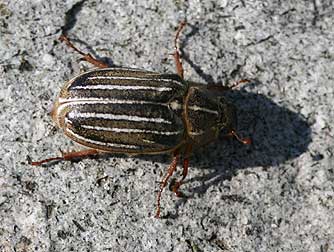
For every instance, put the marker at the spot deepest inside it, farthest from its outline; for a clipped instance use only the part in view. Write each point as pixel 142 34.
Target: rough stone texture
pixel 275 195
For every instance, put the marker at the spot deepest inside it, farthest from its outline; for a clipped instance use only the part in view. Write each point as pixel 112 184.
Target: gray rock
pixel 275 195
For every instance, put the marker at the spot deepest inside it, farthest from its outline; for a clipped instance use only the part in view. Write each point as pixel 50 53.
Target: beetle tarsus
pixel 176 54
pixel 237 83
pixel 86 56
pixel 223 88
pixel 67 156
pixel 44 161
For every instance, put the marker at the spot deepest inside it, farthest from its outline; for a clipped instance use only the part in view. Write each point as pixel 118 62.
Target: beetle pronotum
pixel 131 111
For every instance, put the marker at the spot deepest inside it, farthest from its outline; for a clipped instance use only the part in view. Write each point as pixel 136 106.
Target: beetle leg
pixel 237 83
pixel 184 172
pixel 227 87
pixel 86 56
pixel 67 156
pixel 176 54
pixel 246 140
pixel 163 184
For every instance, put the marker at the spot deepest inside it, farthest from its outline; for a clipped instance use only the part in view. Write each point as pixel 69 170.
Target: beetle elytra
pixel 131 111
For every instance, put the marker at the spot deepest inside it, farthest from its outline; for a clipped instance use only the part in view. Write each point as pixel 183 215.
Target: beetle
pixel 132 111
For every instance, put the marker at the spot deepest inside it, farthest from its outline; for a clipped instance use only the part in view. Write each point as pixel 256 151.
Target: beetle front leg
pixel 163 184
pixel 176 54
pixel 222 88
pixel 67 156
pixel 86 56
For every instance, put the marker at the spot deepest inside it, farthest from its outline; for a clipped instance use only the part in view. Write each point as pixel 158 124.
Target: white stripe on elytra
pixel 122 87
pixel 126 69
pixel 117 117
pixel 115 145
pixel 94 100
pixel 148 73
pixel 120 130
pixel 196 108
pixel 63 102
pixel 134 78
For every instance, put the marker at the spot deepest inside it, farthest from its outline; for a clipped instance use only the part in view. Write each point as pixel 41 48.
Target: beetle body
pixel 124 110
pixel 133 111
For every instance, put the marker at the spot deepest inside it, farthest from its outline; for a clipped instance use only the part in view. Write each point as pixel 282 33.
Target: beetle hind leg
pixel 177 185
pixel 86 56
pixel 163 184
